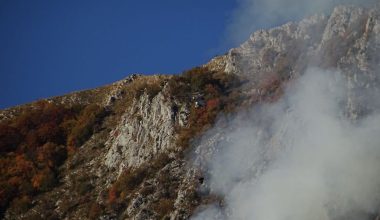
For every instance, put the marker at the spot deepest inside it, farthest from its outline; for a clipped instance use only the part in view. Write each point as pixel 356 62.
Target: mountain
pixel 138 148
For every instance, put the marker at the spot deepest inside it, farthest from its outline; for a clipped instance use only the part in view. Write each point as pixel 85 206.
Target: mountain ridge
pixel 133 163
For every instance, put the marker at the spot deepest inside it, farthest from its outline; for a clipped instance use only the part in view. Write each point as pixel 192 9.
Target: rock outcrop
pixel 146 129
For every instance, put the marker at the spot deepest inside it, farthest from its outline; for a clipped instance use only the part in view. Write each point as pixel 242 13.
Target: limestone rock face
pixel 306 43
pixel 146 129
pixel 276 49
pixel 346 41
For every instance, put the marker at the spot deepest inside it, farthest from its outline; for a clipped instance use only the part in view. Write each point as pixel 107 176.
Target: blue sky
pixel 52 47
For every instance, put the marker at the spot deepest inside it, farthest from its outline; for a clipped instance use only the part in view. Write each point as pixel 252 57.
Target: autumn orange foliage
pixel 34 144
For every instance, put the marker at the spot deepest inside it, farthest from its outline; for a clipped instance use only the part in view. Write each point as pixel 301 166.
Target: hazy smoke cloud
pixel 251 15
pixel 299 158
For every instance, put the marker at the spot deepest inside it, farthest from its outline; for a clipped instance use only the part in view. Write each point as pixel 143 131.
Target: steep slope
pixel 131 159
pixel 127 160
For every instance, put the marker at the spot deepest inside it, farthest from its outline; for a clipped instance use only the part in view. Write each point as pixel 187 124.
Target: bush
pixel 95 211
pixel 129 181
pixel 151 85
pixel 44 180
pixel 32 147
pixel 83 187
pixel 163 207
pixel 51 154
pixel 7 192
pixel 10 138
pixel 198 77
pixel 21 204
pixel 85 125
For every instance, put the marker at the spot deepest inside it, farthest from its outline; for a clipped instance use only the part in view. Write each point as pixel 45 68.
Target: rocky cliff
pixel 134 159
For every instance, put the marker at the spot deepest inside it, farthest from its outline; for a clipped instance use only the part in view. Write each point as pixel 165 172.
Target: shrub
pixel 151 85
pixel 85 125
pixel 50 132
pixel 10 138
pixel 211 91
pixel 83 187
pixel 130 180
pixel 163 207
pixel 7 192
pixel 127 182
pixel 159 162
pixel 95 211
pixel 283 66
pixel 22 167
pixel 198 77
pixel 82 184
pixel 21 204
pixel 147 190
pixel 113 194
pixel 44 180
pixel 51 154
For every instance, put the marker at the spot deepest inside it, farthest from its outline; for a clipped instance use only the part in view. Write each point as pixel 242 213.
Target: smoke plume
pixel 299 158
pixel 304 157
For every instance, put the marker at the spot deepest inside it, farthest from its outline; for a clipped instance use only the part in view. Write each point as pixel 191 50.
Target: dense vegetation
pixel 34 144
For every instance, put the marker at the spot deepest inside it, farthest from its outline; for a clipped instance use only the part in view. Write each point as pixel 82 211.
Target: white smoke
pixel 300 158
